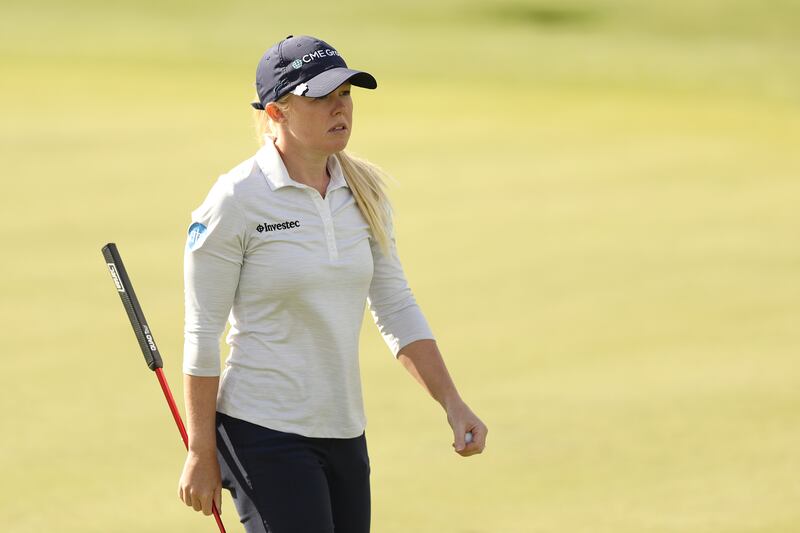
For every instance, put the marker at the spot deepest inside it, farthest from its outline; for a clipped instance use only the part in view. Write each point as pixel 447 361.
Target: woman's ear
pixel 274 112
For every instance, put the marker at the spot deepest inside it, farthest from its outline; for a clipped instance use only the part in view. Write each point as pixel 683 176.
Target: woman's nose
pixel 338 104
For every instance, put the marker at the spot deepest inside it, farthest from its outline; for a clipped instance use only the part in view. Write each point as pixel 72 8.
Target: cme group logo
pixel 297 63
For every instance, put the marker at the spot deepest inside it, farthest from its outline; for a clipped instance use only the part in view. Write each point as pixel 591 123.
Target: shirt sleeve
pixel 212 260
pixel 393 307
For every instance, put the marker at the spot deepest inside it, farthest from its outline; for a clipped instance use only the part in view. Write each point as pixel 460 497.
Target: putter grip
pixel 125 289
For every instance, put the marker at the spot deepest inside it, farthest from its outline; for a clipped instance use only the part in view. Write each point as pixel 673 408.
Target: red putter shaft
pixel 145 339
pixel 179 421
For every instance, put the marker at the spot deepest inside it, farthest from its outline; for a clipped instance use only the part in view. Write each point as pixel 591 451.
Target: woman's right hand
pixel 201 482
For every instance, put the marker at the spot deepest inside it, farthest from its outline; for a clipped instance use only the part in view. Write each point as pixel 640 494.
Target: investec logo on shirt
pixel 261 228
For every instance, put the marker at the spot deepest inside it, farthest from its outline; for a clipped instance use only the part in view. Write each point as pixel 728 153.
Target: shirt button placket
pixel 327 221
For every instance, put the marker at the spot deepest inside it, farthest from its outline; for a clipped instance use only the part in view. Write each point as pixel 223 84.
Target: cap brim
pixel 325 82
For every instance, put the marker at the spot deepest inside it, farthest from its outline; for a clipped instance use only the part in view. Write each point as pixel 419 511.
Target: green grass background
pixel 597 208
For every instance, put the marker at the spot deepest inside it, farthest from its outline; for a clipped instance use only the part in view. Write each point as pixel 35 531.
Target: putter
pixel 146 342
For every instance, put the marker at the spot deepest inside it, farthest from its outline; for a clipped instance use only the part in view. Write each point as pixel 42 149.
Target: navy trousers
pixel 288 483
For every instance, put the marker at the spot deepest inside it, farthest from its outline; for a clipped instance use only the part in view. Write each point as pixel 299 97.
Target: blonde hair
pixel 367 181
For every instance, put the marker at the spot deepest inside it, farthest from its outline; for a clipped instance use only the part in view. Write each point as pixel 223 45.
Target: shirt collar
pixel 269 161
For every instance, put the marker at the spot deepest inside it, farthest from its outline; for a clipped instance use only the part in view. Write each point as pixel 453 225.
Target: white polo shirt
pixel 291 271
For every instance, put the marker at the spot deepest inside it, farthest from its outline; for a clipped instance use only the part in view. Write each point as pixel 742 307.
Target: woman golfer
pixel 288 246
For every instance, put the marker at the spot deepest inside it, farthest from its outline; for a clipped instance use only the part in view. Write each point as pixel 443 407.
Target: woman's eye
pixel 345 92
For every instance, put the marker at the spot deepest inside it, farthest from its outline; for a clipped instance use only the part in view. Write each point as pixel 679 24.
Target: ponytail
pixel 366 182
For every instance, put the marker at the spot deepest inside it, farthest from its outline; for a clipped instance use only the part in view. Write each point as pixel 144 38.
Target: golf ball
pixel 468 437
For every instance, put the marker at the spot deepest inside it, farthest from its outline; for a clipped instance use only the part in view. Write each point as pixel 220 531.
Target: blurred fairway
pixel 597 210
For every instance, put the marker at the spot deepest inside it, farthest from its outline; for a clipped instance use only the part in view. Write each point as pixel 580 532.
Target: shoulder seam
pixel 240 211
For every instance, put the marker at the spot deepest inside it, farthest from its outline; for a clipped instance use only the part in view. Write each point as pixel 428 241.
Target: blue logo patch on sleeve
pixel 196 235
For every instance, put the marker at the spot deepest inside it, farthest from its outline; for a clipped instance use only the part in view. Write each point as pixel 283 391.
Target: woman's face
pixel 321 124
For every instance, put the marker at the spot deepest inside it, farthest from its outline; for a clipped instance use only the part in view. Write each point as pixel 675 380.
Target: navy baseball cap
pixel 305 66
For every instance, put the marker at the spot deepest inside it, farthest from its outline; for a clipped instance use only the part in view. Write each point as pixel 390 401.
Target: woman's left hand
pixel 463 420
